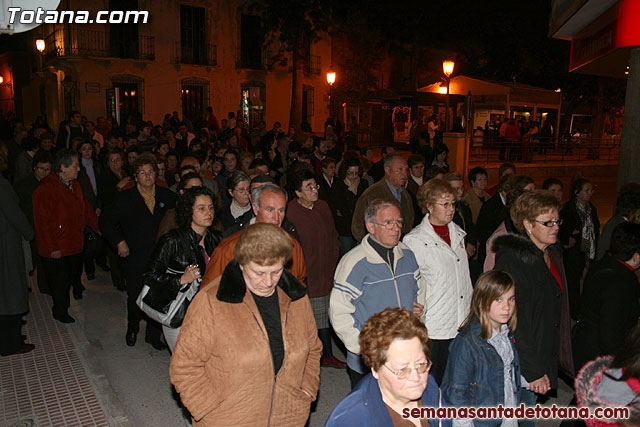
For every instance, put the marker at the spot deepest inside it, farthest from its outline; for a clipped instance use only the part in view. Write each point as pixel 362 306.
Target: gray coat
pixel 14 226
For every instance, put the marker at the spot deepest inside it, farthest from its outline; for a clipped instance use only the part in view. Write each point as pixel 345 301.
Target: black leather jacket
pixel 175 250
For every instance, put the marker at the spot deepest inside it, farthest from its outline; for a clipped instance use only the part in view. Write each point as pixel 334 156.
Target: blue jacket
pixel 474 375
pixel 364 284
pixel 364 407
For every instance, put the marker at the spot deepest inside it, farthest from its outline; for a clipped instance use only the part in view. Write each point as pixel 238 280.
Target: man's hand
pixel 417 308
pixel 123 249
pixel 56 254
pixel 471 250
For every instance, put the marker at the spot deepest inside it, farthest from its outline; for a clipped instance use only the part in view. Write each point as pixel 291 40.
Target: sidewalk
pixel 49 386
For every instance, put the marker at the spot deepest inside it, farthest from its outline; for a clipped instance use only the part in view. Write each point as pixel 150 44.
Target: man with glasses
pixel 380 272
pixel 131 224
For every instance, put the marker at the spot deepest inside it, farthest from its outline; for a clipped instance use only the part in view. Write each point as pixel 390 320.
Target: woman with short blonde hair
pixel 439 246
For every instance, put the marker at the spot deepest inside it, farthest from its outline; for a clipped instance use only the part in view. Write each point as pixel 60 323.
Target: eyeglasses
pixel 551 223
pixel 148 174
pixel 242 190
pixel 311 187
pixel 388 224
pixel 447 205
pixel 404 373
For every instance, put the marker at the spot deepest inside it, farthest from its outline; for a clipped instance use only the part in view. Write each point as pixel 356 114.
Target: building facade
pixel 189 55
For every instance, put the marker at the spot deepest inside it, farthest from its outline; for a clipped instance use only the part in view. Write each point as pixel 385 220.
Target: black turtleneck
pixel 385 252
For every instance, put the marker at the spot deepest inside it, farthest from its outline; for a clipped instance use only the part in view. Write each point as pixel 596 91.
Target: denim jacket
pixel 475 373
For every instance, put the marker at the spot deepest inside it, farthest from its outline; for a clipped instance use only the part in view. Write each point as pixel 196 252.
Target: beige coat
pixel 222 364
pixel 474 202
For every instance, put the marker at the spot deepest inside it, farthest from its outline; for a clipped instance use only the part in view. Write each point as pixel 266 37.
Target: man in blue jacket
pixel 380 272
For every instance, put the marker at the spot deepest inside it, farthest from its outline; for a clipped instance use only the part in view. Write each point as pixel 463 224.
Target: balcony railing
pixel 266 60
pixel 312 66
pixel 203 54
pixel 81 42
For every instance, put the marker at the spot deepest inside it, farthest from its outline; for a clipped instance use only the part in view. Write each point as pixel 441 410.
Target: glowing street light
pixel 447 68
pixel 40 45
pixel 331 79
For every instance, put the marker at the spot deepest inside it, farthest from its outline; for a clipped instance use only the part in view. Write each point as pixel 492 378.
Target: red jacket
pixel 60 217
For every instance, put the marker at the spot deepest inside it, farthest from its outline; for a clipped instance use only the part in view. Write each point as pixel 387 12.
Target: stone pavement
pixel 83 374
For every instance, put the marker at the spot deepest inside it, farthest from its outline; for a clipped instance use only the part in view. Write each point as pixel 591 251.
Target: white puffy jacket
pixel 445 270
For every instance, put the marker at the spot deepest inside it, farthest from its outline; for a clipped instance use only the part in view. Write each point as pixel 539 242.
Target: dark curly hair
pixel 184 205
pixel 299 173
pixel 382 328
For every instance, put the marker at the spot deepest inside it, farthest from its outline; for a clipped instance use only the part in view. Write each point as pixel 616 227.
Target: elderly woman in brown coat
pixel 248 353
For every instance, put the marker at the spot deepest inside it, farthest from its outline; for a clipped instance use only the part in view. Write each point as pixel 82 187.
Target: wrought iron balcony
pixel 256 60
pixel 203 54
pixel 311 66
pixel 103 44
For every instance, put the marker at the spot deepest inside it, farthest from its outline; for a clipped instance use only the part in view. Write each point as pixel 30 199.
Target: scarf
pixel 149 198
pixel 588 243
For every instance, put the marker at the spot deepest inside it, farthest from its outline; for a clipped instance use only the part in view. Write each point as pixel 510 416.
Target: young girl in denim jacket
pixel 483 369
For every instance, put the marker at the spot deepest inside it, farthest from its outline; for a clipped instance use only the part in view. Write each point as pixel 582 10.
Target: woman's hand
pixel 190 274
pixel 541 385
pixel 123 182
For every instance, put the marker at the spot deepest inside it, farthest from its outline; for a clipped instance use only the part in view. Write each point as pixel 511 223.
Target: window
pixel 123 38
pixel 251 40
pixel 192 48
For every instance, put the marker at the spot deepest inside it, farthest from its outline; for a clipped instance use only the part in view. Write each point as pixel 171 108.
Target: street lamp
pixel 331 79
pixel 447 68
pixel 40 45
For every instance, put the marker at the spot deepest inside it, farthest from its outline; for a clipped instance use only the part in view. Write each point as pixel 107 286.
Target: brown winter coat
pixel 222 364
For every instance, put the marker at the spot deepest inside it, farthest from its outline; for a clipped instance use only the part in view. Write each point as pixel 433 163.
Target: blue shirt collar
pixel 396 193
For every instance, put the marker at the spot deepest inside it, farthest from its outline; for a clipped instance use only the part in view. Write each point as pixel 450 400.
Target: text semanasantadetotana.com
pixel 519 412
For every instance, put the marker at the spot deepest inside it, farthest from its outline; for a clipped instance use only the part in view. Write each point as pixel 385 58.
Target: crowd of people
pixel 441 296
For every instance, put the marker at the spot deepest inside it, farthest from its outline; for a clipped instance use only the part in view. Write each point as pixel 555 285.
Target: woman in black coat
pixel 610 302
pixel 535 261
pixel 342 200
pixel 579 234
pixel 181 255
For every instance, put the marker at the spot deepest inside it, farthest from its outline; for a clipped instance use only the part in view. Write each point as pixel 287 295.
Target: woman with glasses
pixel 237 361
pixel 342 199
pixel 534 260
pixel 579 234
pixel 439 246
pixel 319 240
pixel 240 203
pixel 395 344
